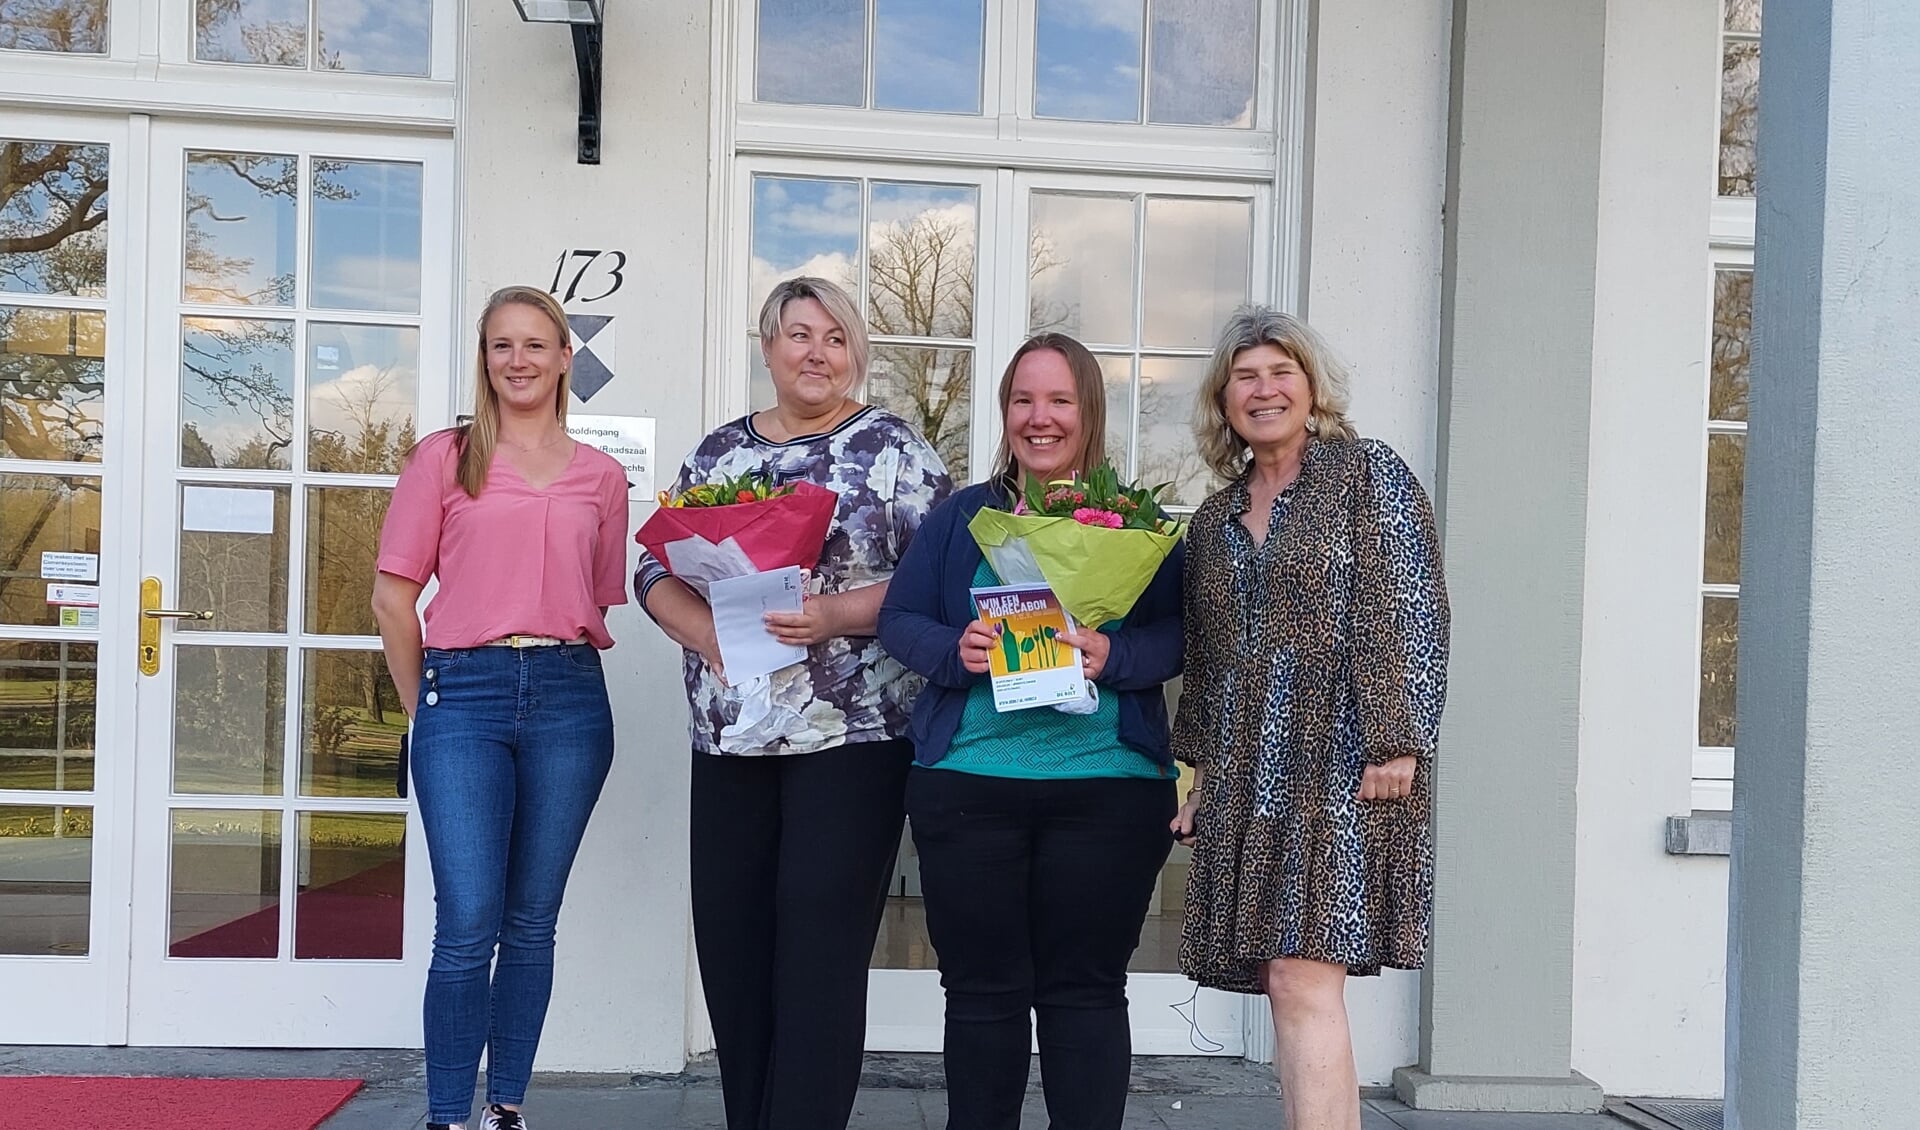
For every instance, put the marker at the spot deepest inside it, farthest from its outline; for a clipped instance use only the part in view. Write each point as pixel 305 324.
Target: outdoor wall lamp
pixel 586 18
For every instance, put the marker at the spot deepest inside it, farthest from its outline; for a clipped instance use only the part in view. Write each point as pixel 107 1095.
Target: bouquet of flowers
pixel 712 531
pixel 1095 541
pixel 727 492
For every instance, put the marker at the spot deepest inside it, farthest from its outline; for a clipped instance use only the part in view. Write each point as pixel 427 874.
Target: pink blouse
pixel 515 561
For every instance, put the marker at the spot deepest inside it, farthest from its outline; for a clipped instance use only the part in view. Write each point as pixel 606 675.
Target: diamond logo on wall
pixel 593 353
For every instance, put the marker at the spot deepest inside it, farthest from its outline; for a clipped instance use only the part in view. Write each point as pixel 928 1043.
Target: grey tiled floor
pixel 1167 1094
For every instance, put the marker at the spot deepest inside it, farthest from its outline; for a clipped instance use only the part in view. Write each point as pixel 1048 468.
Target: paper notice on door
pixel 73 594
pixel 79 617
pixel 69 566
pixel 227 510
pixel 747 649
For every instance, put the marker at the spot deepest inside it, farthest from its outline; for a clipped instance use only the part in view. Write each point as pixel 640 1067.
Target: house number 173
pixel 604 266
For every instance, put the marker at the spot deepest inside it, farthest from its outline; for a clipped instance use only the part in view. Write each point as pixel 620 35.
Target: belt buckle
pixel 518 642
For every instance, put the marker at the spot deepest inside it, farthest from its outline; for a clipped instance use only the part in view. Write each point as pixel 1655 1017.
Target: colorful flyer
pixel 1032 666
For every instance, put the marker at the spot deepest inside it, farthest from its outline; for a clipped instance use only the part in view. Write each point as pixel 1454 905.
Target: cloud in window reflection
pixel 920 259
pixel 927 55
pixel 802 226
pixel 266 32
pixel 390 37
pixel 362 384
pixel 1087 60
pixel 366 235
pixel 1205 53
pixel 1083 259
pixel 812 52
pixel 239 228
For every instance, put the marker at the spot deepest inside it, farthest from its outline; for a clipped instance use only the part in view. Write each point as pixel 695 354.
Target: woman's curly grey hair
pixel 1249 327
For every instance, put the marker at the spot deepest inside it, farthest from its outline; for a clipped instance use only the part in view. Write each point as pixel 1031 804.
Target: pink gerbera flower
pixel 1089 516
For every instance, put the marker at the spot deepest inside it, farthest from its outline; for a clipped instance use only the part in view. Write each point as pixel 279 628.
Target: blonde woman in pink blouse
pixel 512 735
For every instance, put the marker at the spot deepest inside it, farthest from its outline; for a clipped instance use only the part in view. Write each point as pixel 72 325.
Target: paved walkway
pixel 898 1093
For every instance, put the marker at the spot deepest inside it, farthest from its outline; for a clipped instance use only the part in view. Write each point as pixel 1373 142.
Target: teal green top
pixel 1041 743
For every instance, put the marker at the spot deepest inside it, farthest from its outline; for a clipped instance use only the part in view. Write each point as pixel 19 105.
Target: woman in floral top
pixel 797 813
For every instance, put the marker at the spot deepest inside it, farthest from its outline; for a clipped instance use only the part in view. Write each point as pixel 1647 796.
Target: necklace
pixel 518 446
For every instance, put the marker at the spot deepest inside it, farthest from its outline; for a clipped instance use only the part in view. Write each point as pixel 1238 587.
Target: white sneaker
pixel 496 1117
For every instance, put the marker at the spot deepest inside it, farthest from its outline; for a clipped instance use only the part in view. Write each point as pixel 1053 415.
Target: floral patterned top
pixel 849 689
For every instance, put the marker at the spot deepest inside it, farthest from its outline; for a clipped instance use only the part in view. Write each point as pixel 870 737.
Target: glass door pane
pixel 908 253
pixel 281 825
pixel 1145 279
pixel 63 411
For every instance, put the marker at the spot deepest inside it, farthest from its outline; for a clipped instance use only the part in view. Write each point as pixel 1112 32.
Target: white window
pixel 976 172
pixel 1724 434
pixel 390 38
pixel 288 46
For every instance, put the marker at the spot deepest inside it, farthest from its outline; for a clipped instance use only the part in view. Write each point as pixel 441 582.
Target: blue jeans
pixel 510 748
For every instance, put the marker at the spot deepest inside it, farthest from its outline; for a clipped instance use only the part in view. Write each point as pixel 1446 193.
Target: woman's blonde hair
pixel 479 438
pixel 839 306
pixel 1250 327
pixel 1089 388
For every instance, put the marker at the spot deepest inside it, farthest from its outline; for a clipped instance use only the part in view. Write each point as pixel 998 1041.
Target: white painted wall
pixel 621 988
pixel 1378 164
pixel 1378 167
pixel 1649 929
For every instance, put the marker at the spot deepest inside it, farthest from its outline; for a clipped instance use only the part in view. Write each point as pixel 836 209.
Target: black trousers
pixel 791 859
pixel 1035 894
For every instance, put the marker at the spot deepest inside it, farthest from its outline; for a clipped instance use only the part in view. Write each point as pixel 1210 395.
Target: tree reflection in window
pixel 53 218
pixel 236 393
pixel 65 27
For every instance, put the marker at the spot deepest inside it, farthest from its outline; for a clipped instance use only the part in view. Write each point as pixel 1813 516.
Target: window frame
pixel 1006 126
pixel 996 148
pixel 1713 766
pixel 1730 245
pixel 1000 295
pixel 737 329
pixel 149 68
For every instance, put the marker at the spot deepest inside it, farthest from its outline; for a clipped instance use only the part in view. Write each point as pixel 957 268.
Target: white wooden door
pixel 298 340
pixel 69 439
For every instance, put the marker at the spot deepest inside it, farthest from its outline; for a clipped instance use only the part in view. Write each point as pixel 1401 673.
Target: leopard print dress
pixel 1309 657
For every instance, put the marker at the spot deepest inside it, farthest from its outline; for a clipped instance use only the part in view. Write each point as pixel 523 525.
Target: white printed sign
pixel 73 594
pixel 70 566
pixel 227 510
pixel 629 439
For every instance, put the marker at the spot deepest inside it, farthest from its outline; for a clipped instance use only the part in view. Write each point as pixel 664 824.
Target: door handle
pixel 151 614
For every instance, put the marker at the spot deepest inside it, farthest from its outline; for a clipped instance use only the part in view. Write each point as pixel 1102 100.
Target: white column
pixel 1822 998
pixel 1516 391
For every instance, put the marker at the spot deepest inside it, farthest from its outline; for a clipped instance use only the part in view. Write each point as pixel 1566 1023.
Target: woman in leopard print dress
pixel 1316 628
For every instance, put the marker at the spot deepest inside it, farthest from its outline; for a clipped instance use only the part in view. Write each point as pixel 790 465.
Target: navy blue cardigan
pixel 928 606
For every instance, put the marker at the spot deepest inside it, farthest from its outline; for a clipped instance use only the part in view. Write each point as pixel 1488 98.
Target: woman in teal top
pixel 1040 833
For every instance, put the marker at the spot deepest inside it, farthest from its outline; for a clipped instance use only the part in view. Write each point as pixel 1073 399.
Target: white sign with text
pixel 629 439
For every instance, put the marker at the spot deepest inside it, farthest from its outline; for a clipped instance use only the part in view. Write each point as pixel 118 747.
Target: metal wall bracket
pixel 586 59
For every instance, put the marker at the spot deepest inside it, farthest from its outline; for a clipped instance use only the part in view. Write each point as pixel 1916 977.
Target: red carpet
pixel 360 917
pixel 97 1102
